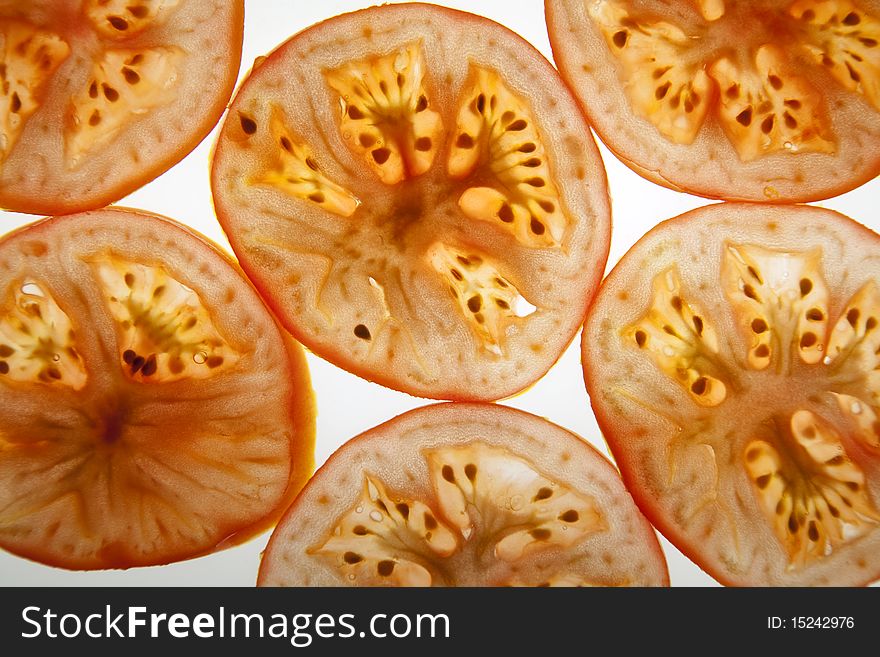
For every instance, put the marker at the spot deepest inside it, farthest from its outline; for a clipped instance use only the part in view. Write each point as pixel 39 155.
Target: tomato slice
pixel 151 409
pixel 464 495
pixel 760 100
pixel 731 358
pixel 419 199
pixel 101 96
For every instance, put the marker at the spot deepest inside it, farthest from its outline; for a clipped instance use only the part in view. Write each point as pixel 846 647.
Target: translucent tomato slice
pixel 101 96
pixel 150 407
pixel 464 495
pixel 759 100
pixel 731 358
pixel 418 197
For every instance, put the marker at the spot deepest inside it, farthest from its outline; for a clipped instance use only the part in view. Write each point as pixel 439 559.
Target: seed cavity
pixel 812 492
pixel 38 342
pixel 487 301
pixel 392 111
pixel 166 332
pixel 679 341
pixel 132 82
pixel 295 171
pixel 540 512
pixel 773 109
pixel 853 353
pixel 664 83
pixel 777 294
pixel 841 38
pixel 29 58
pixel 496 134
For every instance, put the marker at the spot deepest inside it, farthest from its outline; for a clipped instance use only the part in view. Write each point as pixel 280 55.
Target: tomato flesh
pixel 430 213
pixel 101 98
pixel 151 409
pixel 730 361
pixel 464 495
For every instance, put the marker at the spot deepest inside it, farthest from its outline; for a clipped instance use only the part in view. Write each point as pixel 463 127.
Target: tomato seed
pixel 464 141
pixel 542 494
pixel 352 558
pixel 247 124
pixel 138 11
pixel 570 516
pixel 118 22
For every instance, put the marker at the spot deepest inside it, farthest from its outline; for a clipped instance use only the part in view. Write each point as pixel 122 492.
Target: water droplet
pixel 467 532
pixel 826 360
pixel 56 357
pixel 200 357
pixel 855 408
pixel 375 515
pixel 788 145
pixel 516 502
pixel 351 576
pixel 564 528
pixel 359 509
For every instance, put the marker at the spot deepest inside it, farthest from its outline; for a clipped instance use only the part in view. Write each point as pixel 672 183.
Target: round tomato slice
pixel 731 358
pixel 418 197
pixel 759 100
pixel 151 409
pixel 464 495
pixel 99 97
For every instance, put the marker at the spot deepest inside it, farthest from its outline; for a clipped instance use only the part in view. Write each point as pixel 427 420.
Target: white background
pixel 348 405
